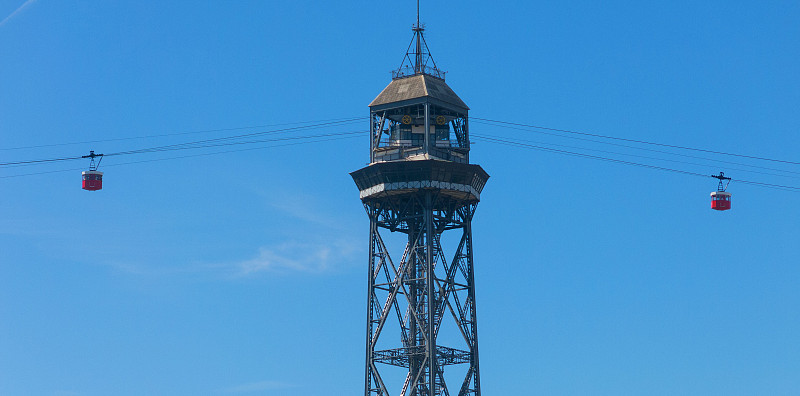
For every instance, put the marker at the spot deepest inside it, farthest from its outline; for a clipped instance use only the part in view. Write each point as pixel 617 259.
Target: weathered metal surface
pixel 418 86
pixel 464 181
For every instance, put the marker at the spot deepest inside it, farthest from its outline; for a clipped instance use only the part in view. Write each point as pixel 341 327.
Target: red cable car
pixel 92 179
pixel 720 199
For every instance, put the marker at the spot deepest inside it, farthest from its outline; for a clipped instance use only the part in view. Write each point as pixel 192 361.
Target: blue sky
pixel 244 273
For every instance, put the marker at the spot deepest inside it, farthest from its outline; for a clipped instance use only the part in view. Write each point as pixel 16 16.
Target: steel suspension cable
pixel 624 162
pixel 640 156
pixel 350 135
pixel 639 148
pixel 637 141
pixel 192 144
pixel 180 146
pixel 177 133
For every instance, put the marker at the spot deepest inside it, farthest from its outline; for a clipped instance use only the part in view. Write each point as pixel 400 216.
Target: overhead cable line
pixel 348 135
pixel 192 144
pixel 180 146
pixel 532 146
pixel 233 140
pixel 39 161
pixel 329 137
pixel 177 134
pixel 221 144
pixel 638 141
pixel 639 156
pixel 624 162
pixel 639 148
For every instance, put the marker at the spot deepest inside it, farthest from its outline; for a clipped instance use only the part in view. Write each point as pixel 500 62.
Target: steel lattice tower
pixel 420 184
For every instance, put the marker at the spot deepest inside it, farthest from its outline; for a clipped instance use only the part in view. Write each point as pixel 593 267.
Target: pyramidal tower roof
pixel 418 86
pixel 418 79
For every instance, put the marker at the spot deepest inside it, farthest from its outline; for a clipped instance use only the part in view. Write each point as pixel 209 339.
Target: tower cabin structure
pixel 420 188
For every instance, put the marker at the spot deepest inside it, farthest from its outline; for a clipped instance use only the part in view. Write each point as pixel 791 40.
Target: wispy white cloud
pixel 17 11
pixel 313 242
pixel 258 386
pixel 290 256
pixel 308 257
pixel 318 241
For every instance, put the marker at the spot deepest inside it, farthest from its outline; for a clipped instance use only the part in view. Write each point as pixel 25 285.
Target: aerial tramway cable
pixel 519 144
pixel 549 147
pixel 342 121
pixel 481 136
pixel 333 120
pixel 637 148
pixel 308 140
pixel 636 141
pixel 193 144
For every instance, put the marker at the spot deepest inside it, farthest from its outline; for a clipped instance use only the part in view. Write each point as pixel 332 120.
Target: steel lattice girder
pixel 427 285
pixel 401 356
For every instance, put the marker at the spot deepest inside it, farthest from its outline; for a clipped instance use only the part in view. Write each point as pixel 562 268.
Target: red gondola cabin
pixel 720 200
pixel 92 180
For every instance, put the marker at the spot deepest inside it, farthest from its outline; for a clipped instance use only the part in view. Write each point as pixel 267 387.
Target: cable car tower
pixel 420 193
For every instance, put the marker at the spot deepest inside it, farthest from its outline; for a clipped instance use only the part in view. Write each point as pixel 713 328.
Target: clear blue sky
pixel 245 273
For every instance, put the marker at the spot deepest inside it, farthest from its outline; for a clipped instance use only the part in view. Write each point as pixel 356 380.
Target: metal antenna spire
pixel 418 32
pixel 417 12
pixel 423 62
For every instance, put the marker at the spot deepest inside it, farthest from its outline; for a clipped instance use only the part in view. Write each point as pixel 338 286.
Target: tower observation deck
pixel 421 190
